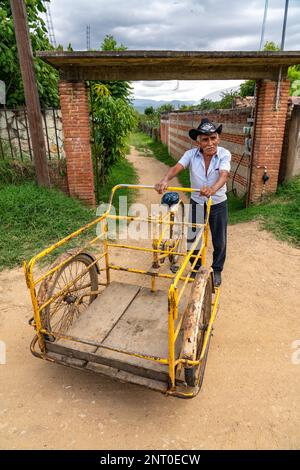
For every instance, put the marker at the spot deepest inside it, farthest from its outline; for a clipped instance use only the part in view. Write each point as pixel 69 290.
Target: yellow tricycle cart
pixel 87 317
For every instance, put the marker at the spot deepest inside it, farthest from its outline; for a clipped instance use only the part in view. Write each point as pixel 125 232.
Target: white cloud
pixel 175 25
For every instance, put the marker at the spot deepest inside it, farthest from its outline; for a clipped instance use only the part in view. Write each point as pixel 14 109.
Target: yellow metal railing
pixel 174 295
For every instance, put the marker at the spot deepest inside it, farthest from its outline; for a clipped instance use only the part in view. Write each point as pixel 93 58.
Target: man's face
pixel 208 144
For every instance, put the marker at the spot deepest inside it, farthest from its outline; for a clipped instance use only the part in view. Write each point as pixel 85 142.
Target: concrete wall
pixel 290 162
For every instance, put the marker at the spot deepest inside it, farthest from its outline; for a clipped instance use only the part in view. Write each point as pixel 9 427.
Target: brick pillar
pixel 268 136
pixel 75 120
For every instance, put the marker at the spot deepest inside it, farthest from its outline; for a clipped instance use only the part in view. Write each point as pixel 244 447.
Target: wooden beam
pixel 174 72
pixel 31 93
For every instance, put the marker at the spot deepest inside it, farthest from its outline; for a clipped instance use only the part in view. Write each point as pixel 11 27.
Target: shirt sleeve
pixel 185 159
pixel 225 162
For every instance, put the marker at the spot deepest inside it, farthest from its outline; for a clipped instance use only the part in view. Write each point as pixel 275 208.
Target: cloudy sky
pixel 207 25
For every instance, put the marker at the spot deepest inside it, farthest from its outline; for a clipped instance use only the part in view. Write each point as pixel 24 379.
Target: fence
pixel 15 141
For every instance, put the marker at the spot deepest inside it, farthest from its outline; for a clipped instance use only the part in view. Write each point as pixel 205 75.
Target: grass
pixel 279 213
pixel 147 146
pixel 33 217
pixel 122 172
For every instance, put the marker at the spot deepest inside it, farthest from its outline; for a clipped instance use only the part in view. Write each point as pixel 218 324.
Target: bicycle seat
pixel 169 199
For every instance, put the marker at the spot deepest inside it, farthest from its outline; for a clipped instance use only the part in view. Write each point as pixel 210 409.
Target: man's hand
pixel 161 186
pixel 207 191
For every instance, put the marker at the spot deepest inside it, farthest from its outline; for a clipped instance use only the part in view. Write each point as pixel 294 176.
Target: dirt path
pixel 250 396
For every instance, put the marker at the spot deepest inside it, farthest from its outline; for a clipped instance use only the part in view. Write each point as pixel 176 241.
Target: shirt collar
pixel 201 154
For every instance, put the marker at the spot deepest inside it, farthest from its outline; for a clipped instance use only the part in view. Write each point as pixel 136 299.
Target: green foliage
pixel 118 88
pixel 279 213
pixel 247 88
pixel 271 46
pixel 33 217
pixel 47 77
pixel 150 111
pixel 294 76
pixel 15 172
pixel 205 104
pixel 113 118
pixel 227 99
pixel 168 107
pixel 153 148
pixel 225 102
pixel 110 44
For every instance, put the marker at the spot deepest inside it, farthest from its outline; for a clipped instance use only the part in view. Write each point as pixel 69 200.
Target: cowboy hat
pixel 205 127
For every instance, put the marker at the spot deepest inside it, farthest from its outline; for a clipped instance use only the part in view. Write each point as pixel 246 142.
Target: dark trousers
pixel 218 227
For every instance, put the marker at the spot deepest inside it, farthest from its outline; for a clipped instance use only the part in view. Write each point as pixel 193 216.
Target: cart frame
pixel 174 293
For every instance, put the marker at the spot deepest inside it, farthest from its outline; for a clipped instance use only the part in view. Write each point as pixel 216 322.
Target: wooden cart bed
pixel 127 317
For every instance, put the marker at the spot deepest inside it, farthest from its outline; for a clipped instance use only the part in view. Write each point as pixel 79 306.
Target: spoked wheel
pixel 194 375
pixel 177 232
pixel 76 278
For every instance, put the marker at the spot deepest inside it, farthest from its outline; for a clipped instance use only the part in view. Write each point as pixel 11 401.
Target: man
pixel 209 166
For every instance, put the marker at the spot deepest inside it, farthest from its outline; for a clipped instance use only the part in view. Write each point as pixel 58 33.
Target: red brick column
pixel 268 136
pixel 75 120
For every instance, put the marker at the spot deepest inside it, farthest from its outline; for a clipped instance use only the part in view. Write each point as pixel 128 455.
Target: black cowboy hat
pixel 205 127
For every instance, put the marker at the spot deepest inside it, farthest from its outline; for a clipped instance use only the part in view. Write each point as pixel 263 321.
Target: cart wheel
pixel 59 315
pixel 194 375
pixel 177 232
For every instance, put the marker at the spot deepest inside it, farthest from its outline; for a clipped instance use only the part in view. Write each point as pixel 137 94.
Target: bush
pixel 15 172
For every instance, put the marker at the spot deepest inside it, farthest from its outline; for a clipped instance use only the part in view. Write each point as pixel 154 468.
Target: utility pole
pixel 284 24
pixel 31 93
pixel 263 27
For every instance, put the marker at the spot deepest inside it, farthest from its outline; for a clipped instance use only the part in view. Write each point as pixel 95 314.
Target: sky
pixel 203 25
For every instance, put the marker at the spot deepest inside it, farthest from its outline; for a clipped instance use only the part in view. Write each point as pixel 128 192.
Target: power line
pixel 49 22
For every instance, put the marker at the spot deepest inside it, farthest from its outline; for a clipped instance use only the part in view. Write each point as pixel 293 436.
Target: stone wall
pixel 15 137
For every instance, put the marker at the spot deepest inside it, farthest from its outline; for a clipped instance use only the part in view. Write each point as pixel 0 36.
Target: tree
pixel 150 111
pixel 118 88
pixel 168 107
pixel 10 74
pixel 247 88
pixel 113 119
pixel 271 46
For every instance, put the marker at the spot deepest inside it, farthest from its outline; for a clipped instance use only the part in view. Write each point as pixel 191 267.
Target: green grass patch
pixel 279 213
pixel 147 146
pixel 122 172
pixel 33 217
pixel 16 172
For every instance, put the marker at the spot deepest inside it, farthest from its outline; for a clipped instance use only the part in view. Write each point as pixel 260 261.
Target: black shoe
pixel 217 278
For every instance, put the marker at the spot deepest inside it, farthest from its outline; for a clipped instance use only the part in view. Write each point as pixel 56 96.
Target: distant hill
pixel 141 104
pixel 217 95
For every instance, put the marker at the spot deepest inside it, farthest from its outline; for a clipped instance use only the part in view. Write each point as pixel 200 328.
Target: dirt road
pixel 250 396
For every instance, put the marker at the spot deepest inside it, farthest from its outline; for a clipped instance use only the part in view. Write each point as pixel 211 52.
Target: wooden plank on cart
pixel 100 317
pixel 125 377
pixel 76 357
pixel 143 329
